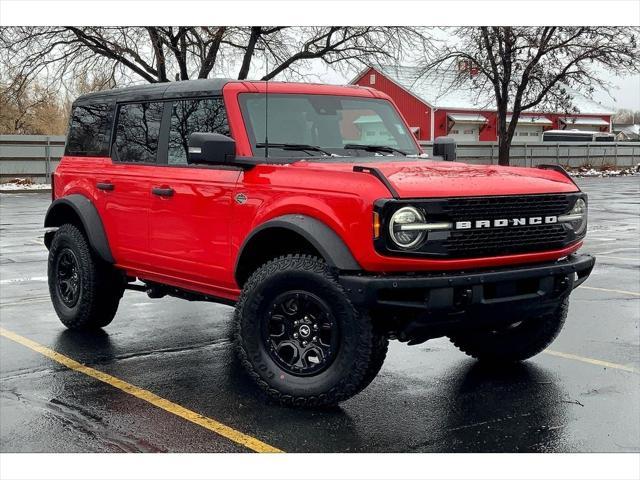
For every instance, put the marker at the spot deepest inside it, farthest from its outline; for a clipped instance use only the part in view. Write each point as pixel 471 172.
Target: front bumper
pixel 533 287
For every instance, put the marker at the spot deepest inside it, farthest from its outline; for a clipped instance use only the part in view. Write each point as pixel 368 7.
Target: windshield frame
pixel 346 155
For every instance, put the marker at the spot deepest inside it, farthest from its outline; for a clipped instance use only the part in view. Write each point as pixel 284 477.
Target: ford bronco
pixel 313 210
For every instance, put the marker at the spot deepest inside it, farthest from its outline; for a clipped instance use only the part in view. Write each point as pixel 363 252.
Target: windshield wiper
pixel 294 146
pixel 373 148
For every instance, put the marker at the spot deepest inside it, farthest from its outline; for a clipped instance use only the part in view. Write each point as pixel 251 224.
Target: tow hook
pixel 463 297
pixel 562 284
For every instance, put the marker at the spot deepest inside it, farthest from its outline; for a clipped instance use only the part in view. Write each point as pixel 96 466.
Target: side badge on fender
pixel 241 198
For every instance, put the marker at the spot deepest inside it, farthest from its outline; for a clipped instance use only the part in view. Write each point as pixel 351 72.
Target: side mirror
pixel 211 148
pixel 445 147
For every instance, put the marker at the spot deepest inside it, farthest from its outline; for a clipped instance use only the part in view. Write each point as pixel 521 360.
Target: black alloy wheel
pixel 300 333
pixel 68 280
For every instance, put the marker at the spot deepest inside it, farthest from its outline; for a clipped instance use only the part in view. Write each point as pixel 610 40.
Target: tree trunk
pixel 248 55
pixel 504 142
pixel 503 150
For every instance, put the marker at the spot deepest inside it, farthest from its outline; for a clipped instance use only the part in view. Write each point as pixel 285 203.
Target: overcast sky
pixel 626 95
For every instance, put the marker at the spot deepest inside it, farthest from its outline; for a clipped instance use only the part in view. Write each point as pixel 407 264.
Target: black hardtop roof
pixel 157 91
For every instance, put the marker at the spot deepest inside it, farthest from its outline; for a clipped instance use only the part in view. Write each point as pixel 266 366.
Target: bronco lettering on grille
pixel 505 222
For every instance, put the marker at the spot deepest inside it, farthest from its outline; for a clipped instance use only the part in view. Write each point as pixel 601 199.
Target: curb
pixel 27 190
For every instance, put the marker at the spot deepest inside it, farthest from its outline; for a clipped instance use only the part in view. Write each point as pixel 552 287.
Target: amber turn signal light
pixel 376 225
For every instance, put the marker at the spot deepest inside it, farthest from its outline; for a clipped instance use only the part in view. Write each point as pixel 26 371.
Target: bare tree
pixel 33 111
pixel 526 68
pixel 626 116
pixel 161 54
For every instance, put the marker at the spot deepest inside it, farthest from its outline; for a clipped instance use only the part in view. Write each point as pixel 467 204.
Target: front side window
pixel 137 132
pixel 90 130
pixel 329 122
pixel 190 116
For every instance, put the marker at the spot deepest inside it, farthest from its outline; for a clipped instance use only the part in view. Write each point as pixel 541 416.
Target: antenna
pixel 266 110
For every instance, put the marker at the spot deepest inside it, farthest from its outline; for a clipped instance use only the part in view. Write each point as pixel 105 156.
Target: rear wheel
pixel 299 336
pixel 515 342
pixel 84 290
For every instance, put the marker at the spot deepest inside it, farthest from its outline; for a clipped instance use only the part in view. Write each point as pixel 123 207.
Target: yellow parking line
pixel 625 292
pixel 178 410
pixel 592 361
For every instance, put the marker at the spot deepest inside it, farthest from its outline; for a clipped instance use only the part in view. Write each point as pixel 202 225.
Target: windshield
pixel 326 122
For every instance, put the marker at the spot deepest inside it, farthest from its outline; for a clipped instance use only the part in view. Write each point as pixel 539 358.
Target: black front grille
pixel 474 208
pixel 503 241
pixel 486 241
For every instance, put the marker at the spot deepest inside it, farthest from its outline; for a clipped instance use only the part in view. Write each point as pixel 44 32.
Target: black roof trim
pixel 157 91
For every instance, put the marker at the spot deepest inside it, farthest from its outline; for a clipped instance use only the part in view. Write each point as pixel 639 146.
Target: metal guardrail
pixel 30 156
pixel 566 154
pixel 37 156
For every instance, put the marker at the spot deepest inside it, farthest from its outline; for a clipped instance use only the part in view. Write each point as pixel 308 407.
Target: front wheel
pixel 299 336
pixel 85 291
pixel 515 342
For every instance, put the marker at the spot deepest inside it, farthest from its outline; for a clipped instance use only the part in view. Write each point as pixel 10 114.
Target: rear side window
pixel 90 130
pixel 137 132
pixel 190 116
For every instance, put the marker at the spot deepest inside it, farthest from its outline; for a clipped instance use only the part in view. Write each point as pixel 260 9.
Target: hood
pixel 427 178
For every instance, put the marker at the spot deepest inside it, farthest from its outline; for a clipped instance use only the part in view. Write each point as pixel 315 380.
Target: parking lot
pixel 173 383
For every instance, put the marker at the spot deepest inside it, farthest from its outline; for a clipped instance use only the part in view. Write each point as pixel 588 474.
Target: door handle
pixel 106 186
pixel 162 191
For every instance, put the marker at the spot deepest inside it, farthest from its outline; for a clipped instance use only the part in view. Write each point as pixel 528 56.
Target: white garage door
pixel 528 134
pixel 465 133
pixel 584 128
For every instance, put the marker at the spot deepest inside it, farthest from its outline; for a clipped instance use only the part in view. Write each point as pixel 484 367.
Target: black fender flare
pixel 322 237
pixel 86 211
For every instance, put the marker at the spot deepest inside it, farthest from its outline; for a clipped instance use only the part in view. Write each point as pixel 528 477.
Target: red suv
pixel 313 210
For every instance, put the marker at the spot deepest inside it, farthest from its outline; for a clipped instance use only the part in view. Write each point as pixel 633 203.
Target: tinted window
pixel 137 132
pixel 89 130
pixel 190 116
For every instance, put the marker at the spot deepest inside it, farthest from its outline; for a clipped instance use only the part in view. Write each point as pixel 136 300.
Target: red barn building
pixel 433 108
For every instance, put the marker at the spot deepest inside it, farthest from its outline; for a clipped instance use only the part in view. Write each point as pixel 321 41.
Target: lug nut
pixel 295 335
pixel 315 339
pixel 295 322
pixel 304 344
pixel 315 326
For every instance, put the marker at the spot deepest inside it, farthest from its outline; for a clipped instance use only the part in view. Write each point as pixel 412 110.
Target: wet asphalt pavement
pixel 428 398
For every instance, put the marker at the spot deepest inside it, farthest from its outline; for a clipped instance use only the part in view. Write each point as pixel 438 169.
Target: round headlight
pixel 400 227
pixel 579 211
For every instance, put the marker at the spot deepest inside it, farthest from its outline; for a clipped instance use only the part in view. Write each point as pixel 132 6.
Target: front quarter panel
pixel 333 198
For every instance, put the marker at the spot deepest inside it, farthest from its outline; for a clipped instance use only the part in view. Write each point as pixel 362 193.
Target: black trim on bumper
pixel 458 292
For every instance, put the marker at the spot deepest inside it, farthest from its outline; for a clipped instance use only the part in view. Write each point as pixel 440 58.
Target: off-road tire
pixel 101 286
pixel 357 360
pixel 514 344
pixel 379 349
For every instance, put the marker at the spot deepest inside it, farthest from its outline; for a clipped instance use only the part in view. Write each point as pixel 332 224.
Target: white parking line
pixel 617 250
pixel 624 292
pixel 599 255
pixel 593 361
pixel 23 280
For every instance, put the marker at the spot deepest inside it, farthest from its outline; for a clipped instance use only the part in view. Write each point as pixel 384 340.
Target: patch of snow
pixel 605 172
pixel 23 184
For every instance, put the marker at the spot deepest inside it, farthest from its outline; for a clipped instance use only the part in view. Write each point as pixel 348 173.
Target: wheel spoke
pixel 67 277
pixel 300 333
